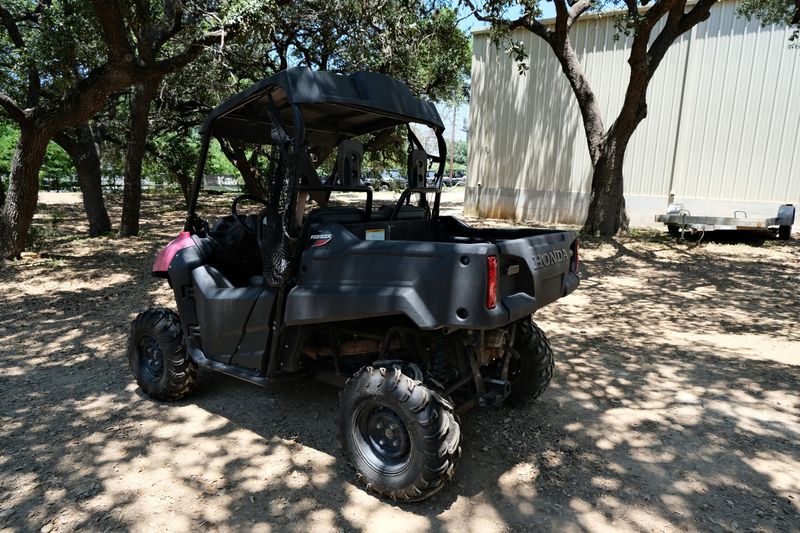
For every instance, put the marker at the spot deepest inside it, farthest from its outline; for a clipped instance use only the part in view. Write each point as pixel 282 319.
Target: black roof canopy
pixel 333 106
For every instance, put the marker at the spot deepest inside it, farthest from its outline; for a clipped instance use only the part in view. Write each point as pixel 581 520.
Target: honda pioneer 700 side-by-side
pixel 416 316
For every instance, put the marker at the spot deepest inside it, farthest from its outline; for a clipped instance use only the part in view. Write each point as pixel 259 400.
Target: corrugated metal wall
pixel 721 132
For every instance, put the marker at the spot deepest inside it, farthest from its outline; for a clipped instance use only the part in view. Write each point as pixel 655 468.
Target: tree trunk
pixel 132 189
pixel 185 183
pixel 16 215
pixel 607 214
pixel 80 145
pixel 235 152
pixel 170 157
pixel 587 101
pixel 251 177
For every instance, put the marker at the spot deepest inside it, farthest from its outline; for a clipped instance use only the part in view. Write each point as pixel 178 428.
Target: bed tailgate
pixel 541 266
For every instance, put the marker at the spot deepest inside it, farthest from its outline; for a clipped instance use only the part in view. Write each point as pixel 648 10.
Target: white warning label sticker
pixel 378 234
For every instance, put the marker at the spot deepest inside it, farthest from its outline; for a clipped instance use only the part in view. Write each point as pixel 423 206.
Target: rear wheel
pixel 784 232
pixel 157 356
pixel 400 436
pixel 531 366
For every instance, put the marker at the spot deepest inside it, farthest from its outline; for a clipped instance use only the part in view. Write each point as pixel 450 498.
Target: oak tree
pixel 60 62
pixel 653 26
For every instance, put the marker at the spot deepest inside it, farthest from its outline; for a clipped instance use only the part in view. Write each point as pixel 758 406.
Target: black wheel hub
pixel 151 359
pixel 381 434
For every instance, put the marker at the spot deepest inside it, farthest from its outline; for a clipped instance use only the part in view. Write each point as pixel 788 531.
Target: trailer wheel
pixel 674 230
pixel 531 372
pixel 157 356
pixel 401 437
pixel 784 233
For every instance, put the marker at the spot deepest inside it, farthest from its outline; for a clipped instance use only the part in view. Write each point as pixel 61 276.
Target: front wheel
pixel 157 356
pixel 532 364
pixel 401 437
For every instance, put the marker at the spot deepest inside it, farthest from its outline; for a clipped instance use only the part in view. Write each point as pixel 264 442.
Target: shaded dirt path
pixel 674 406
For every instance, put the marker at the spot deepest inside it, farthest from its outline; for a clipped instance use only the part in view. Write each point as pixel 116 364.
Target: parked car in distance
pixel 455 181
pixel 389 180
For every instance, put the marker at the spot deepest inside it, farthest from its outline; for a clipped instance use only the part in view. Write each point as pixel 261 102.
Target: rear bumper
pixel 521 305
pixel 571 283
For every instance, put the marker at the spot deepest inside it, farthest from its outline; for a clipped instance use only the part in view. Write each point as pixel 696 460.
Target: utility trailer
pixel 679 220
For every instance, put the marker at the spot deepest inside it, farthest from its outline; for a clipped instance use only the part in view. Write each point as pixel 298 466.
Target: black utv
pixel 416 316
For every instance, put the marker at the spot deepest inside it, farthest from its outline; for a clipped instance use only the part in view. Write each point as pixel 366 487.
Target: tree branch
pixel 633 7
pixel 173 12
pixel 114 30
pixel 12 27
pixel 644 61
pixel 638 59
pixel 12 108
pixel 579 8
pixel 90 94
pixel 700 12
pixel 169 65
pixel 659 9
pixel 558 40
pixel 585 97
pixel 666 36
pixel 562 19
pixel 529 23
pixel 526 21
pixel 8 21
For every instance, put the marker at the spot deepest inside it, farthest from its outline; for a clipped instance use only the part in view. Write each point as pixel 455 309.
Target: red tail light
pixel 491 282
pixel 575 255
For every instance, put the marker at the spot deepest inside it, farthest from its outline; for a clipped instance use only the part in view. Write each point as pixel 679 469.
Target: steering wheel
pixel 240 218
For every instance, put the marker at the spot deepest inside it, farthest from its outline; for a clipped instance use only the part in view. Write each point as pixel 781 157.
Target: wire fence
pixel 115 184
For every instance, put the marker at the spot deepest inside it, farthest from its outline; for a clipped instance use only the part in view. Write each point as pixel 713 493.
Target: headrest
pixel 348 161
pixel 417 168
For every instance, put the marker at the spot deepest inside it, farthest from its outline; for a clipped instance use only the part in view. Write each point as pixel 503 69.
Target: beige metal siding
pixel 723 120
pixel 739 131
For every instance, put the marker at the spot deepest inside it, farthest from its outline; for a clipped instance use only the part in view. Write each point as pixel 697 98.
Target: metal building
pixel 722 132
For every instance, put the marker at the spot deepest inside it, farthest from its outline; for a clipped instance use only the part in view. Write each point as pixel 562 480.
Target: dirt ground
pixel 674 406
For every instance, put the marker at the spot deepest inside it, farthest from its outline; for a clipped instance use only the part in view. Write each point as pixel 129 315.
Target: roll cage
pixel 300 111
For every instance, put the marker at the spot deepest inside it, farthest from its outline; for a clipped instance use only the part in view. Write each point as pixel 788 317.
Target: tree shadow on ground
pixel 672 408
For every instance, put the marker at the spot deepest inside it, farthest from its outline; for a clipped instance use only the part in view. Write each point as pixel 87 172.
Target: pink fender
pixel 165 256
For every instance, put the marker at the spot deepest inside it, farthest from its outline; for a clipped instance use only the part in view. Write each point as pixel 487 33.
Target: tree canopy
pixel 773 12
pixel 417 42
pixel 62 62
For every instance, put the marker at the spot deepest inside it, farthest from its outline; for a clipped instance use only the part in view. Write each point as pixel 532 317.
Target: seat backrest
pixel 348 162
pixel 407 212
pixel 340 215
pixel 417 168
pixel 219 279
